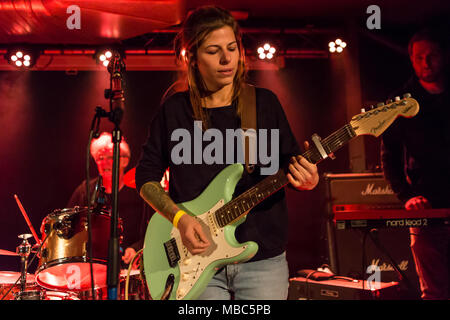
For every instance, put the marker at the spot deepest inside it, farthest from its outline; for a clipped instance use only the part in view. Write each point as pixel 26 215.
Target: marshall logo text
pixel 372 191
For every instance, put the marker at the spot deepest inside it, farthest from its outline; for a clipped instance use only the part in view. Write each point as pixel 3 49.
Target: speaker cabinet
pixel 364 253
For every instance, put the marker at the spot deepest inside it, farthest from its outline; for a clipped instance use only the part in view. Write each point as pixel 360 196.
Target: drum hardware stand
pixel 24 250
pixel 116 102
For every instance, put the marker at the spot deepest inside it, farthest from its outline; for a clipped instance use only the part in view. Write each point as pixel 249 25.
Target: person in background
pixel 415 155
pixel 134 213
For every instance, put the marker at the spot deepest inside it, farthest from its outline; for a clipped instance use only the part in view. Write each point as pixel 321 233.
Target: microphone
pixel 99 195
pixel 117 101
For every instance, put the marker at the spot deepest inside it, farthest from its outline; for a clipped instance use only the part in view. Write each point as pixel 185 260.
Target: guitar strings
pixel 333 141
pixel 339 134
pixel 264 185
pixel 335 137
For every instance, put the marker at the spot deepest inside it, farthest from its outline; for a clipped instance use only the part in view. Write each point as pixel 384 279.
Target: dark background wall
pixel 45 119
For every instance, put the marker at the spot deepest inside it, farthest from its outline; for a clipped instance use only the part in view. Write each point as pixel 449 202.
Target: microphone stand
pixel 116 102
pixel 115 94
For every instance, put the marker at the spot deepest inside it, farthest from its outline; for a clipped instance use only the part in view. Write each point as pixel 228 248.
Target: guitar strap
pixel 247 101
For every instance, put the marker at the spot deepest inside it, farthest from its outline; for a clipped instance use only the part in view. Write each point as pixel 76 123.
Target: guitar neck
pixel 242 204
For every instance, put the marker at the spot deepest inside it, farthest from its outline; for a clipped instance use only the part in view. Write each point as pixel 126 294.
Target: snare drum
pixel 64 262
pixel 58 295
pixel 10 285
pixel 37 294
pixel 43 294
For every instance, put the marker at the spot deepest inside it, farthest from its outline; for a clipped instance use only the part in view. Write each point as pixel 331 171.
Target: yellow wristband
pixel 177 217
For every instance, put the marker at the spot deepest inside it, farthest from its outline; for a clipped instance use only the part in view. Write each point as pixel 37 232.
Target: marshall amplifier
pixel 356 252
pixel 369 190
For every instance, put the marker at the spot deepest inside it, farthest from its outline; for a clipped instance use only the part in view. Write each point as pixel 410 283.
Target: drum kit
pixel 64 266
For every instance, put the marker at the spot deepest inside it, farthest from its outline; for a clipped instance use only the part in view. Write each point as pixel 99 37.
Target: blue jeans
pixel 259 280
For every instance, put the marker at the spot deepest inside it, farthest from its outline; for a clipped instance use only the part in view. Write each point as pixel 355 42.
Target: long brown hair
pixel 198 25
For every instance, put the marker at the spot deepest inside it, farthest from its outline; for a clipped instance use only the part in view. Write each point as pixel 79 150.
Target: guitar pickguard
pixel 192 266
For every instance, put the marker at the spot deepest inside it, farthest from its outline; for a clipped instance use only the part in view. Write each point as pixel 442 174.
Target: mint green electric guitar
pixel 173 273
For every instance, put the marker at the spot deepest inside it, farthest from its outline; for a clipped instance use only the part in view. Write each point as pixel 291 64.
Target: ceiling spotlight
pixel 21 58
pixel 336 46
pixel 266 52
pixel 104 57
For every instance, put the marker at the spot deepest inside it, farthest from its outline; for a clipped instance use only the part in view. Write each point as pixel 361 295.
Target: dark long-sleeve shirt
pixel 415 152
pixel 267 223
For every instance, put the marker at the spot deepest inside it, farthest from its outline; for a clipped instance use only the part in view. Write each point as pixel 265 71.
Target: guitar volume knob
pixel 187 262
pixel 407 95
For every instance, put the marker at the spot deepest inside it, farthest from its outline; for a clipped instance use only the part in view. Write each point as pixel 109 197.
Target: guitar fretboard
pixel 242 204
pixel 330 144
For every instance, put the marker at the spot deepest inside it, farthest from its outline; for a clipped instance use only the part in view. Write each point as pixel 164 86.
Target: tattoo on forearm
pixel 154 194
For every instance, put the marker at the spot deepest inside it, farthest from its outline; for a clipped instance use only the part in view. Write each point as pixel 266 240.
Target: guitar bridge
pixel 173 256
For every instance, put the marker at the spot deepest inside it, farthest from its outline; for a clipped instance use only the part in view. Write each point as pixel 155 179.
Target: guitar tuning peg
pixel 389 101
pixel 407 95
pixel 380 104
pixel 397 98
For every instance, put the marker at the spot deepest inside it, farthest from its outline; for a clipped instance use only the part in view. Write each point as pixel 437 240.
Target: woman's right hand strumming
pixel 191 231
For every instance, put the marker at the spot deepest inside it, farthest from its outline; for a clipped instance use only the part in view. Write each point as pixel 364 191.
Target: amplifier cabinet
pixel 370 189
pixel 351 251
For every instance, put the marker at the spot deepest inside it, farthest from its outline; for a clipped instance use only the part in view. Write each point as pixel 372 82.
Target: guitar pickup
pixel 172 253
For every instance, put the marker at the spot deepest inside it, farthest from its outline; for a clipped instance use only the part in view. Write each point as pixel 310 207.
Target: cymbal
pixel 129 178
pixel 10 277
pixel 7 253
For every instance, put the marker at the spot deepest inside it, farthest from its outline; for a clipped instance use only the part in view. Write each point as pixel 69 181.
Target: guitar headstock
pixel 375 121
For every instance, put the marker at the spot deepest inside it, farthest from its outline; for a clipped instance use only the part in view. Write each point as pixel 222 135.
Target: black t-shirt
pixel 133 211
pixel 267 223
pixel 418 149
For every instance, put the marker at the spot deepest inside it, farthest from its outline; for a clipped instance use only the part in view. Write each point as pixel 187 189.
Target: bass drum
pixel 64 263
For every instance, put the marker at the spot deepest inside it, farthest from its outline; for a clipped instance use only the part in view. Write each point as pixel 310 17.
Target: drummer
pixel 132 209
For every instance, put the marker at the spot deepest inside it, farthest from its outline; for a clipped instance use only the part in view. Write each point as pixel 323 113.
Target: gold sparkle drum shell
pixel 64 261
